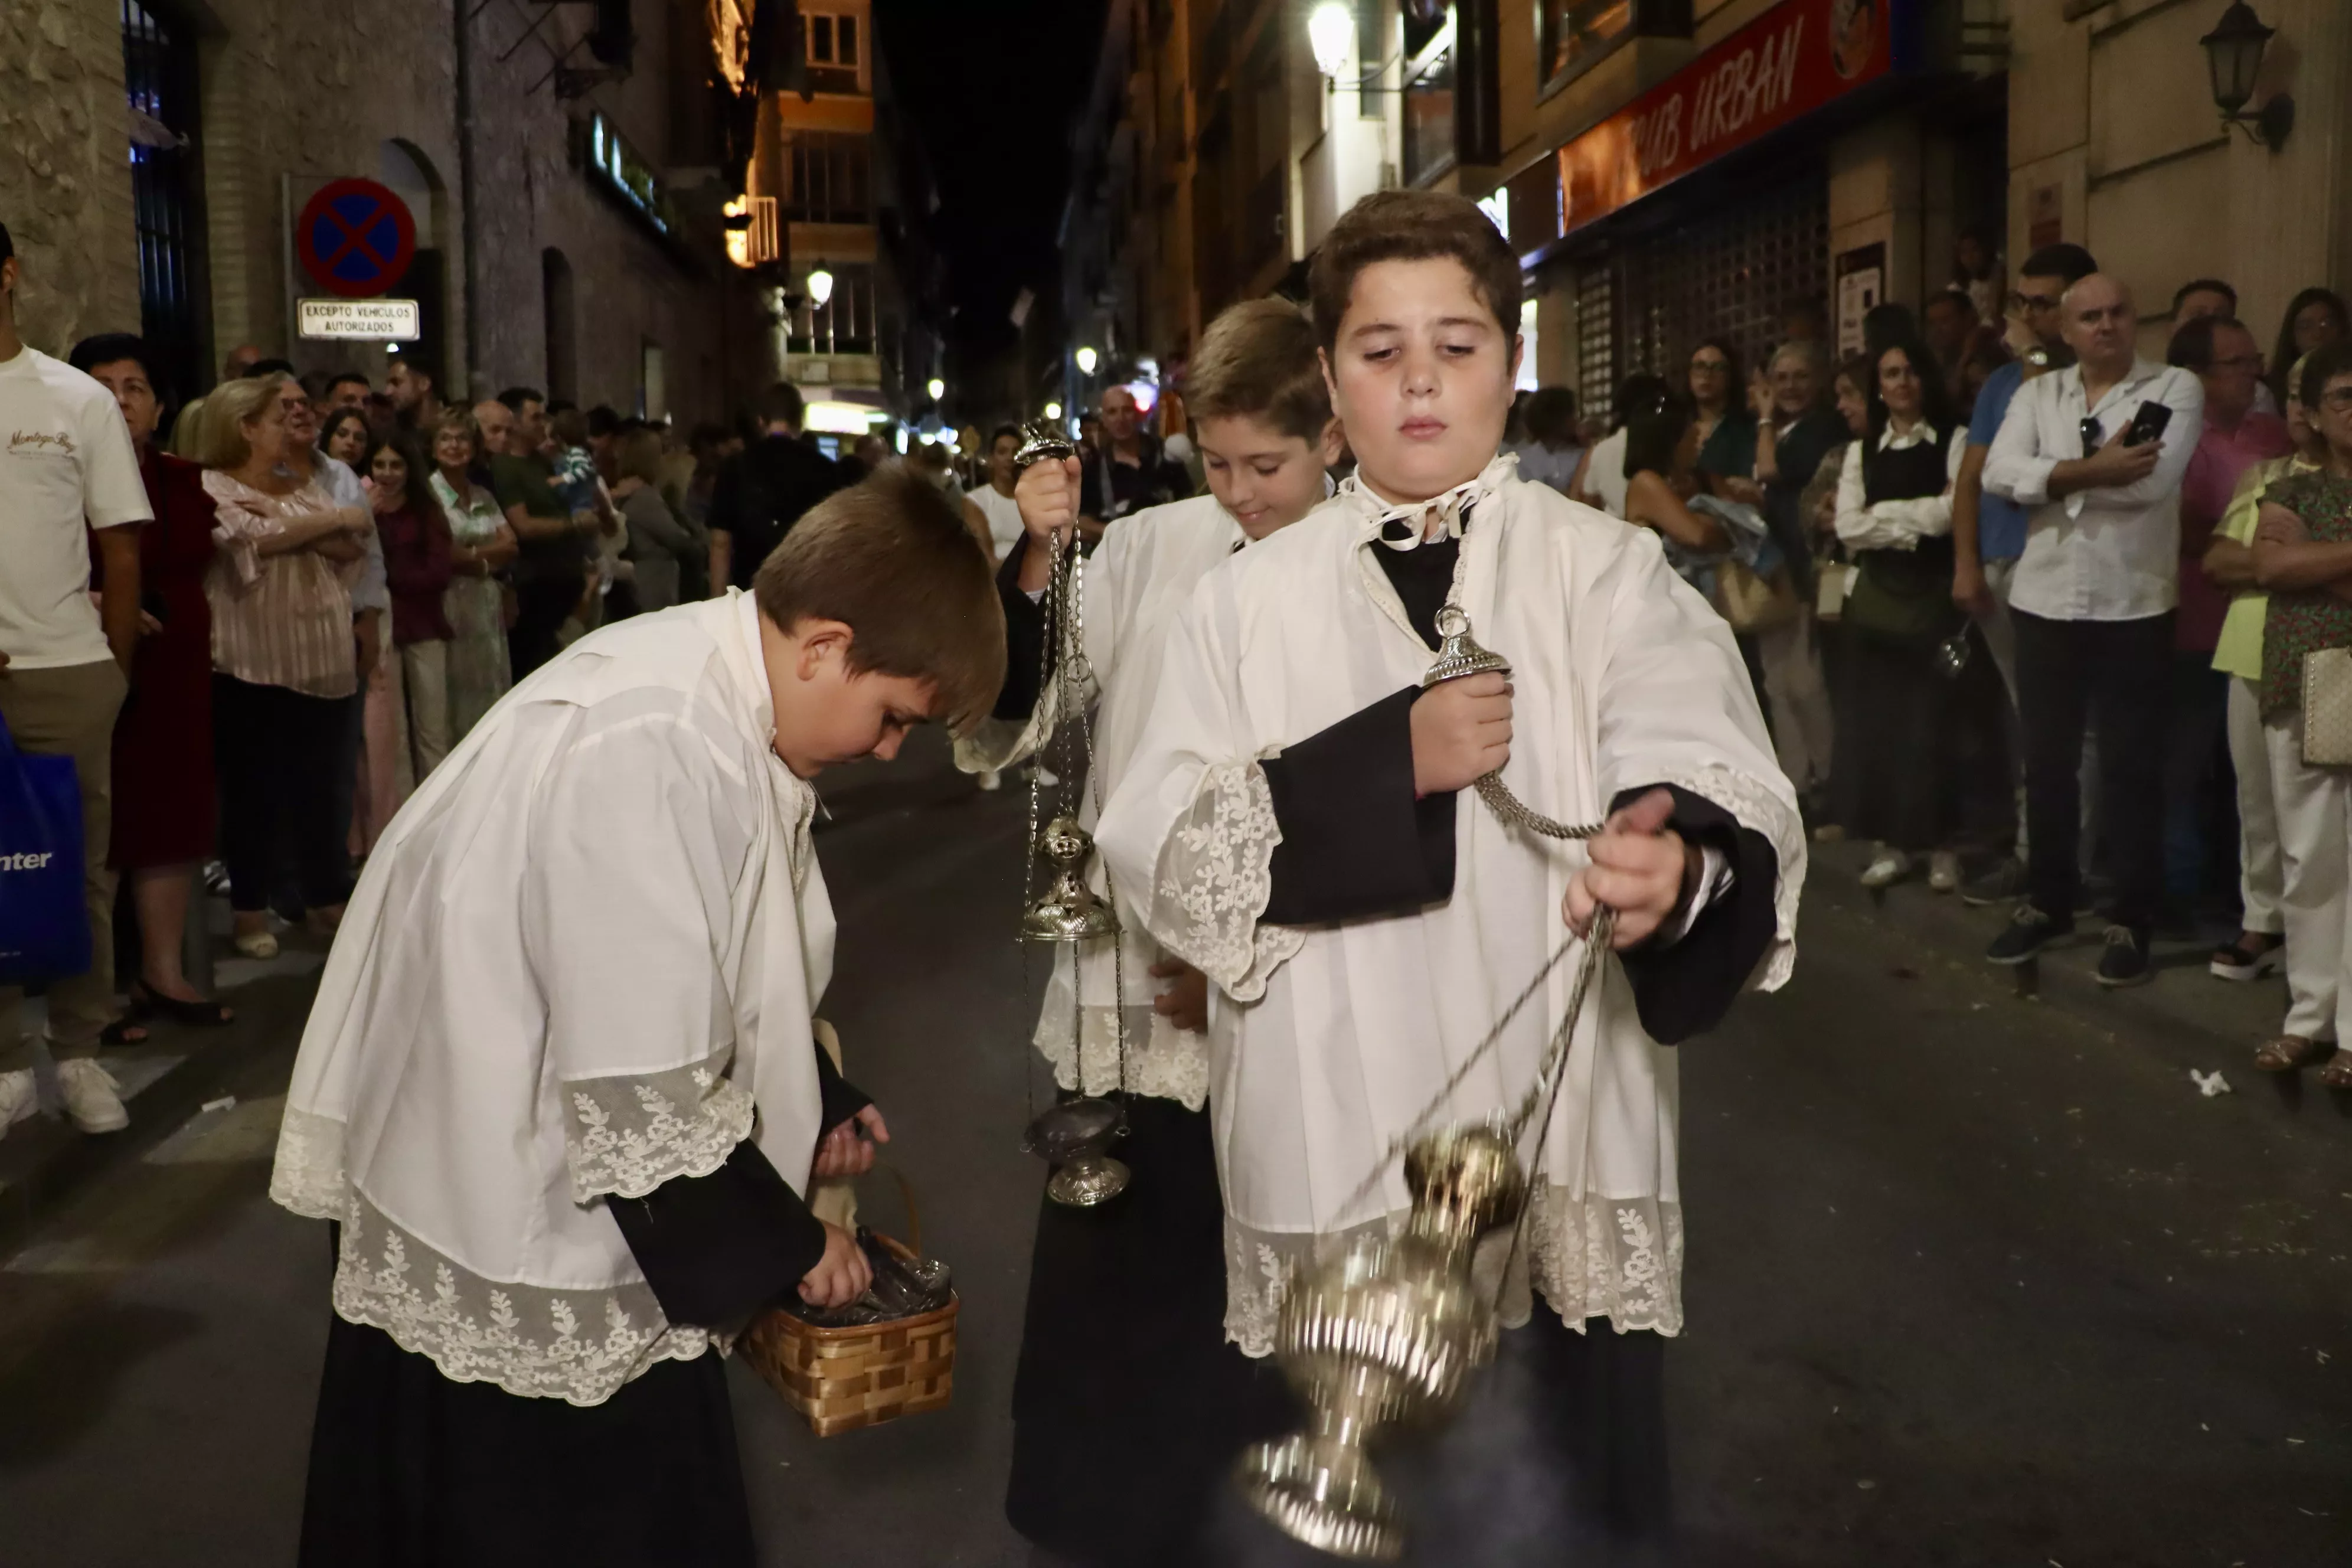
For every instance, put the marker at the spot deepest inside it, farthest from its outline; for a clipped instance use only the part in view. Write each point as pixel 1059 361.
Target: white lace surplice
pixel 1136 584
pixel 583 962
pixel 1327 1041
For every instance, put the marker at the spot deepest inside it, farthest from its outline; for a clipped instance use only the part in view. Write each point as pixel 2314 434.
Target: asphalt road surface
pixel 1970 1281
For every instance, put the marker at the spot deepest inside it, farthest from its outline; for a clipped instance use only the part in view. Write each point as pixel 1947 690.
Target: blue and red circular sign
pixel 355 237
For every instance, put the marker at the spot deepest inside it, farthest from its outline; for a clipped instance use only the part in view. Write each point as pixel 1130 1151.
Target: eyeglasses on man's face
pixel 2022 301
pixel 1710 367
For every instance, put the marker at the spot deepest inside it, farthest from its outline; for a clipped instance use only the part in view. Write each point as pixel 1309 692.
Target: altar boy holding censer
pixel 1120 1354
pixel 559 1088
pixel 1296 825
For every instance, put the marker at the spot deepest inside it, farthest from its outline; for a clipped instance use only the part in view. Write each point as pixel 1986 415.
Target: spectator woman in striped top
pixel 279 589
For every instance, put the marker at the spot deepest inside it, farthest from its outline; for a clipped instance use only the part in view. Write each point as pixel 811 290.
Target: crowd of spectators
pixel 2030 611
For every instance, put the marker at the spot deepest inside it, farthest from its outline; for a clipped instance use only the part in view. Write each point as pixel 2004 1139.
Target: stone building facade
pixel 495 121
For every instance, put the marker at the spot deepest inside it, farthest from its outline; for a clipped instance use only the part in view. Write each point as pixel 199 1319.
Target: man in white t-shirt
pixel 67 470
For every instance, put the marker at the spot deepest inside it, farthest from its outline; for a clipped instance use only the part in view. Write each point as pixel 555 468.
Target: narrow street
pixel 1970 1280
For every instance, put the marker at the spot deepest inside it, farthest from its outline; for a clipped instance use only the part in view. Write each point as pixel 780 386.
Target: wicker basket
pixel 842 1379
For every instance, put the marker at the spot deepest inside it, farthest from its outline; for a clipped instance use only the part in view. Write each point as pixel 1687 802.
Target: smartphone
pixel 2148 425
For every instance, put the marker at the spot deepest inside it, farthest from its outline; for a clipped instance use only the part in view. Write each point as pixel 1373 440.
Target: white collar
pixel 1378 518
pixel 1918 432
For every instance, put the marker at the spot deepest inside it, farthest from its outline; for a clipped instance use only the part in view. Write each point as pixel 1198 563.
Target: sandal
pixel 2286 1053
pixel 126 1030
pixel 2337 1073
pixel 202 1013
pixel 2237 960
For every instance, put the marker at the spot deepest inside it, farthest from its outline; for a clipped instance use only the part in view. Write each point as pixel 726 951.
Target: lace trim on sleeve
pixel 628 1135
pixel 308 1176
pixel 1756 807
pixel 578 1346
pixel 1214 877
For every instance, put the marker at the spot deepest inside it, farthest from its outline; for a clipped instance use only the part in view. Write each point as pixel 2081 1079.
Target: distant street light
pixel 1329 30
pixel 820 286
pixel 1086 361
pixel 936 387
pixel 1053 411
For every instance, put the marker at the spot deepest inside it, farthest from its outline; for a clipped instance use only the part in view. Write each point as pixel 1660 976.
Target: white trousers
pixel 1801 724
pixel 2258 824
pixel 424 667
pixel 2314 840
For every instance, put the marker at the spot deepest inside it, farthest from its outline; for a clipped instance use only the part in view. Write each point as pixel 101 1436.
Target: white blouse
pixel 1864 524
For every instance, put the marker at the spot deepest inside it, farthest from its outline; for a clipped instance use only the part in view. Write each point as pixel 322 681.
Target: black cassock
pixel 1130 1407
pixel 409 1470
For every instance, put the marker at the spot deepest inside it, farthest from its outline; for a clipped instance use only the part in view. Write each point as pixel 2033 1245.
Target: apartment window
pixel 832 46
pixel 159 70
pixel 1573 35
pixel 830 178
pixel 1429 120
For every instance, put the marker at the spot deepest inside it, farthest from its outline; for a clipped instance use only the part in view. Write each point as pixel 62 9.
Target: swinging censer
pixel 1075 1134
pixel 1392 1328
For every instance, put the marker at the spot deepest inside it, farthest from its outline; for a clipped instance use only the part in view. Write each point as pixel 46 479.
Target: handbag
pixel 1753 603
pixel 1833 581
pixel 44 929
pixel 2327 708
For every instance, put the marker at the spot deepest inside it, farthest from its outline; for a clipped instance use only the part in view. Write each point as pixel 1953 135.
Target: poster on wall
pixel 1861 275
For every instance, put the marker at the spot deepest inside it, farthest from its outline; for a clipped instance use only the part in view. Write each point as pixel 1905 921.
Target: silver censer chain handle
pixel 1459 654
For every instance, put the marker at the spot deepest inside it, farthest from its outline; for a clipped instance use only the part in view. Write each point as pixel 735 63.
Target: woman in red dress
pixel 164 739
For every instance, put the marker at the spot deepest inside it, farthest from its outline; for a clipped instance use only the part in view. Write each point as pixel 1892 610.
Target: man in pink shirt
pixel 2200 835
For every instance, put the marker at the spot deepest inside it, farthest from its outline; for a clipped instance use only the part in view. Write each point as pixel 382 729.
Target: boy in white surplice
pixel 560 1090
pixel 1294 824
pixel 1119 1339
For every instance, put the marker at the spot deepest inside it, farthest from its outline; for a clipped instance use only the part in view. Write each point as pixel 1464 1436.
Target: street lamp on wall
pixel 1329 30
pixel 1087 360
pixel 1053 411
pixel 936 387
pixel 820 287
pixel 2233 54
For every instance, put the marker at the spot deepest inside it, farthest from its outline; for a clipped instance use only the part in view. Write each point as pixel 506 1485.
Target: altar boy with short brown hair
pixel 560 1088
pixel 1295 825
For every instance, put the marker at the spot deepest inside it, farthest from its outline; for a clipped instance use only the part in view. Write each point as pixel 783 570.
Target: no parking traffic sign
pixel 355 237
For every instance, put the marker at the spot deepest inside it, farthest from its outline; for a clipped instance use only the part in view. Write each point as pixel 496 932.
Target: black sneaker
pixel 1998 886
pixel 2125 961
pixel 2028 932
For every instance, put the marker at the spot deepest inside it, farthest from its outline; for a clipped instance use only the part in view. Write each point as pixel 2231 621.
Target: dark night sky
pixel 992 87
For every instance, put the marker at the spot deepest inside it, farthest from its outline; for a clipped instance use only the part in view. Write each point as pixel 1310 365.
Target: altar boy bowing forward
pixel 559 1088
pixel 1292 824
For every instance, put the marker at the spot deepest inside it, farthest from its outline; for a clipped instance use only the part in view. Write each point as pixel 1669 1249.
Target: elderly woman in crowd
pixel 163 768
pixel 418 567
pixel 658 540
pixel 279 588
pixel 481 542
pixel 1795 427
pixel 2303 556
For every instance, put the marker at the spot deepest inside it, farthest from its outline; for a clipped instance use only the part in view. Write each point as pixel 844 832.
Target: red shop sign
pixel 1796 57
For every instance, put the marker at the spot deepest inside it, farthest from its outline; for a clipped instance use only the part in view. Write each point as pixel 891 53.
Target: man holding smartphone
pixel 2094 453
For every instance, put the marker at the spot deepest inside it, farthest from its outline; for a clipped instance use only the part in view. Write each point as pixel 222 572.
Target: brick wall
pixel 294 93
pixel 64 187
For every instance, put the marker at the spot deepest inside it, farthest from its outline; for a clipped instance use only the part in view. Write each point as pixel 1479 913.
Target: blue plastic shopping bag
pixel 44 933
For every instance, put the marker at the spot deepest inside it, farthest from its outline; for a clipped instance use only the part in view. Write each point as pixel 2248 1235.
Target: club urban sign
pixel 1795 59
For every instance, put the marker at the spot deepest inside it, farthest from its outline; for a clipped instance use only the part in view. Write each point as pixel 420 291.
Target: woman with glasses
pixel 2303 556
pixel 1726 430
pixel 2314 318
pixel 1894 516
